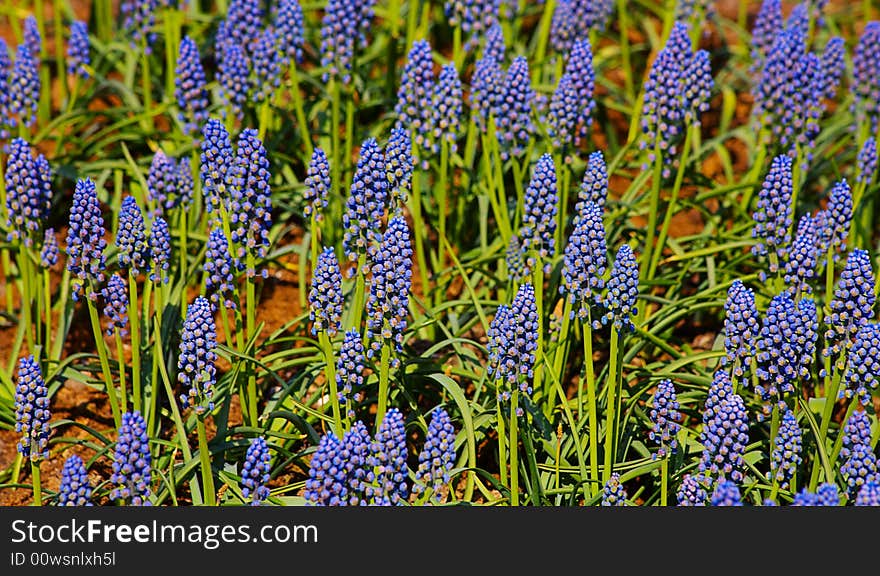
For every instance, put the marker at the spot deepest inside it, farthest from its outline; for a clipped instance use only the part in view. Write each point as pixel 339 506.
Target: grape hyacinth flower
pixel 190 88
pixel 75 488
pixel 513 111
pixel 160 250
pixel 573 20
pixel 350 367
pixel 85 240
pixel 267 66
pixel 741 327
pixel 594 187
pixel 691 492
pixel 290 30
pixel 623 290
pixel 131 238
pixel 859 468
pixel 806 335
pixel 28 192
pixel 613 493
pixel 24 89
pixel 572 104
pixel 827 494
pixel 161 182
pixel 31 37
pixel 773 215
pixel 115 295
pixel 232 75
pixel 539 215
pixel 726 493
pixel 720 389
pixel 354 452
pixel 388 460
pixel 787 448
pixel 388 301
pixel 196 368
pixel 698 84
pixel 255 471
pixel 833 64
pixel 32 410
pixel 867 162
pixel 139 22
pixel 495 46
pixel 585 260
pixel 514 259
pixel 318 185
pixel 446 110
pixel 866 82
pixel 800 267
pixel 853 303
pixel 250 203
pixel 778 352
pixel 437 456
pixel 49 250
pixel 131 462
pixel 5 90
pixel 836 219
pixel 517 341
pixel 325 296
pixel 365 206
pixel 497 343
pixel 343 28
pixel 724 439
pixel 486 84
pixel 664 419
pixel 244 20
pixel 863 365
pixel 474 17
pixel 414 107
pixel 326 483
pixel 399 166
pixel 219 270
pixel 78 59
pixel 869 494
pixel 216 160
pixel 856 431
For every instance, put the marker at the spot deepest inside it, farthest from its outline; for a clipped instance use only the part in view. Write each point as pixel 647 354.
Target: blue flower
pixel 326 483
pixel 698 84
pixel 853 303
pixel 267 66
pixel 219 270
pixel 78 59
pixel 827 494
pixel 388 301
pixel 515 260
pixel 623 290
pixel 28 192
pixel 190 88
pixel 613 492
pixel 486 84
pixel 805 335
pixel 232 75
pixel 869 494
pixel 437 456
pixel 131 462
pixel 513 110
pixel 388 460
pixel 726 493
pixel 365 206
pixel 495 46
pixel 399 166
pixel 325 295
pixel 585 260
pixel 572 104
pixel 196 368
pixel 5 90
pixel 414 107
pixel 131 238
pixel 244 20
pixel 139 22
pixel 833 65
pixel 859 469
pixel 350 367
pixel 85 239
pixel 355 451
pixel 515 342
pixel 75 488
pixel 856 431
pixel 160 250
pixel 32 410
pixel 836 219
pixel 255 471
pixel 863 365
pixel 474 17
pixel 787 447
pixel 573 19
pixel 800 267
pixel 25 88
pixel 594 187
pixel 867 162
pixel 318 185
pixel 778 351
pixel 446 110
pixel 290 29
pixel 343 27
pixel 691 491
pixel 724 438
pixel 49 250
pixel 741 327
pixel 115 296
pixel 539 215
pixel 767 25
pixel 32 39
pixel 866 81
pixel 773 215
pixel 250 203
pixel 664 418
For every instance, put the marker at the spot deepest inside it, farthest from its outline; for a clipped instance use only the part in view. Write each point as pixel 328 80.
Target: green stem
pixel 183 258
pixel 24 269
pixel 653 210
pixel 442 194
pixel 146 87
pixel 105 363
pixel 120 356
pixel 592 404
pixel 336 152
pixel 832 387
pixel 538 281
pixel 670 209
pixel 330 375
pixel 359 289
pixel 415 208
pixel 38 489
pixel 250 322
pixel 502 438
pixel 543 37
pixel 412 20
pixel 297 98
pixel 611 406
pixel 561 350
pixel 514 447
pixel 664 480
pixel 134 319
pixel 205 460
pixel 349 136
pixel 384 378
pixel 622 13
pixel 47 299
pixel 457 52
